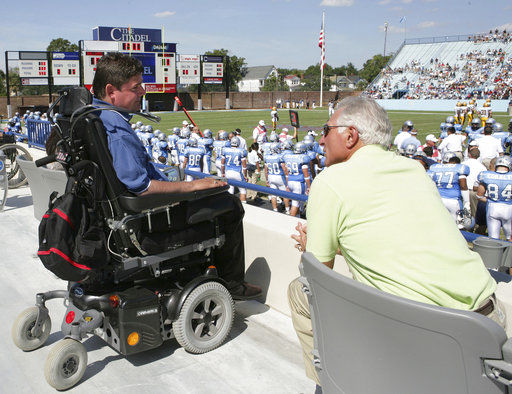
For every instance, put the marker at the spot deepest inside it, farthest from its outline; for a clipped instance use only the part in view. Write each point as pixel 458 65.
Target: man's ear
pixel 353 137
pixel 109 90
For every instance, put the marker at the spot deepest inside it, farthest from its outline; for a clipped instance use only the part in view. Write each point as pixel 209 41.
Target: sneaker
pixel 245 291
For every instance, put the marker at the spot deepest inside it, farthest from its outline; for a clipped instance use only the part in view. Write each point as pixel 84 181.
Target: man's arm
pixel 244 168
pixel 182 187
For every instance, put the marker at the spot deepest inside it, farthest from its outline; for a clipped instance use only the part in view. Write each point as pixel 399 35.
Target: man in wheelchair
pixel 118 82
pixel 147 259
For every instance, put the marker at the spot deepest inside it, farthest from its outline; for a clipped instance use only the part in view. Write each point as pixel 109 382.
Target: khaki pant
pixel 252 177
pixel 301 319
pixel 473 201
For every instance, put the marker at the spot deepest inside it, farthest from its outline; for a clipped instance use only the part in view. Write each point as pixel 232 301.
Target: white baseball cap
pixel 284 130
pixel 261 123
pixel 431 137
pixel 313 133
pixel 473 143
pixel 184 123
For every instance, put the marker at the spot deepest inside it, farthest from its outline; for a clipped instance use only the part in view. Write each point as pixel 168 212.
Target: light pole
pixel 385 36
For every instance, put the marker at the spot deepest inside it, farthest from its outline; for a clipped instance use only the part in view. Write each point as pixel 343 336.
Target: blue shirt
pixel 446 177
pixel 273 162
pixel 233 158
pixel 181 146
pixel 498 186
pixel 218 145
pixel 207 143
pixel 194 154
pixel 295 162
pixel 132 163
pixel 172 139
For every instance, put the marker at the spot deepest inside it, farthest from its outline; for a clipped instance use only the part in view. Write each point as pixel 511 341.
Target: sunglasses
pixel 325 132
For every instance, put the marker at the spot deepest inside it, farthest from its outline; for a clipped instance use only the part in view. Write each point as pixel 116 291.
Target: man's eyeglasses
pixel 327 128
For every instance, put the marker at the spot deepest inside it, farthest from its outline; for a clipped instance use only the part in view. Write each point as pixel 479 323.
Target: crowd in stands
pixel 480 73
pixel 472 169
pixel 492 36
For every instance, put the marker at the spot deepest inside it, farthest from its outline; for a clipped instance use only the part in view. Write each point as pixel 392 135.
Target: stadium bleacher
pixel 457 67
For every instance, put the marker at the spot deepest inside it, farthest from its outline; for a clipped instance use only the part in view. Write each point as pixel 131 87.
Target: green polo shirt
pixel 386 216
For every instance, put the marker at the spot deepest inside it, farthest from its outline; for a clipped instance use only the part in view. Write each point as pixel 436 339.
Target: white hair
pixel 368 117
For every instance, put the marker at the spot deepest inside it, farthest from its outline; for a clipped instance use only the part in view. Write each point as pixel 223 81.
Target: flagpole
pixel 322 62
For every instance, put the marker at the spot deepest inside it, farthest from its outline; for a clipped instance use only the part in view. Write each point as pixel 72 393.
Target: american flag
pixel 321 44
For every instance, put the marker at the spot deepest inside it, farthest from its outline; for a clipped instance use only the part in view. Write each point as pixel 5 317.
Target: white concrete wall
pixel 271 259
pixel 435 105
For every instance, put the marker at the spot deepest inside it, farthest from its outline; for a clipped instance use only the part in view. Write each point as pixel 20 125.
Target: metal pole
pixel 322 63
pixel 199 98
pixel 80 63
pixel 228 104
pixel 385 36
pixel 9 110
pixel 50 78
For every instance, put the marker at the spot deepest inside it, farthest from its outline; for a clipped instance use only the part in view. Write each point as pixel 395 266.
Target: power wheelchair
pixel 135 300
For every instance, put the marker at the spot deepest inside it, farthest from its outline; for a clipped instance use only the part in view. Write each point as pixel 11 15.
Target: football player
pixel 298 180
pixel 193 157
pixel 171 141
pixel 275 117
pixel 450 179
pixel 207 143
pixel 234 165
pixel 275 174
pixel 485 112
pixel 495 188
pixel 160 149
pixel 181 145
pixel 218 145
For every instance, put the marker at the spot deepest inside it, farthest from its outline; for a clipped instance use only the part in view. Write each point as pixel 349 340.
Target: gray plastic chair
pixel 369 341
pixel 42 182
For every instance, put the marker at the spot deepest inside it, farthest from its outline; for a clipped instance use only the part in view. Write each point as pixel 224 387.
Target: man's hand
pixel 206 183
pixel 301 237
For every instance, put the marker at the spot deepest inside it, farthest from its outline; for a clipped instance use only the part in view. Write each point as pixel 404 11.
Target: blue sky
pixel 279 32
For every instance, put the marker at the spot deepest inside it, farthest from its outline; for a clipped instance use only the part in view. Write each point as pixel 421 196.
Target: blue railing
pixel 432 40
pixel 38 132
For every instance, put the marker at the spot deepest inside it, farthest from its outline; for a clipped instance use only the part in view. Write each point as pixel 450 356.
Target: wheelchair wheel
pixel 15 175
pixel 205 318
pixel 21 330
pixel 65 364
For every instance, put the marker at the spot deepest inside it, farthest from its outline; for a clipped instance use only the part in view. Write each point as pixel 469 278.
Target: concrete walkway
pixel 262 354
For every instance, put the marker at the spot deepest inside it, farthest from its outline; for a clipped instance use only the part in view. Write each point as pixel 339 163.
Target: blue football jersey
pixel 273 162
pixel 498 186
pixel 181 146
pixel 207 143
pixel 195 156
pixel 265 148
pixel 233 158
pixel 218 145
pixel 446 177
pixel 171 140
pixel 502 136
pixel 294 163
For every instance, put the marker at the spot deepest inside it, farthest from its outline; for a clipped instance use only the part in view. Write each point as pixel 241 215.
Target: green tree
pixel 61 45
pixel 237 70
pixel 3 88
pixel 271 82
pixel 372 67
pixel 311 78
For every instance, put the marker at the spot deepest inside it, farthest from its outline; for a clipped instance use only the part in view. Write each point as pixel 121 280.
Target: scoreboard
pixel 189 69
pixel 34 68
pixel 158 62
pixel 213 69
pixel 65 68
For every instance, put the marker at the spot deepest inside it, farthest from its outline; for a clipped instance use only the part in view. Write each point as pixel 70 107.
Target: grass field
pixel 424 122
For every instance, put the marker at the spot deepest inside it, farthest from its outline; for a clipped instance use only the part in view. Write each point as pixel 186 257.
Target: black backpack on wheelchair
pixel 125 287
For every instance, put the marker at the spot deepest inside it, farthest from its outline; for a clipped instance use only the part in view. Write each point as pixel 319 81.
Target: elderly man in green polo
pixel 384 215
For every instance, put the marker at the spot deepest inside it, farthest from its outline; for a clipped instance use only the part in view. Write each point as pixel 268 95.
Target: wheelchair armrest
pixel 134 203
